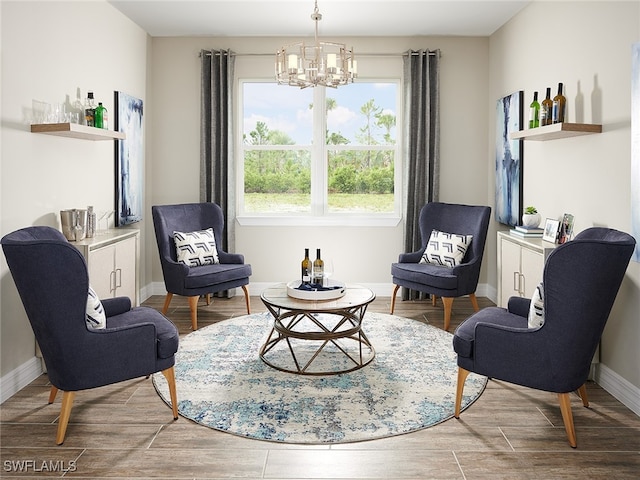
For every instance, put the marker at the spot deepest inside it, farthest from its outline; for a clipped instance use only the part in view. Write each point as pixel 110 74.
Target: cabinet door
pixel 125 269
pixel 510 269
pixel 101 274
pixel 532 266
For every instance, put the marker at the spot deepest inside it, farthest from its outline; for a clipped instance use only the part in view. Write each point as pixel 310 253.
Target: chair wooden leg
pixel 247 299
pixel 582 391
pixel 434 300
pixel 169 374
pixel 167 301
pixel 462 377
pixel 65 413
pixel 208 299
pixel 448 303
pixel 193 308
pixel 567 417
pixel 52 394
pixel 393 298
pixel 474 301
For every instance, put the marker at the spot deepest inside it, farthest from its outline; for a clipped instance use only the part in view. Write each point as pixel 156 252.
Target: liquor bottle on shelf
pixel 559 104
pixel 318 269
pixel 546 108
pixel 306 268
pixel 534 112
pixel 100 117
pixel 89 110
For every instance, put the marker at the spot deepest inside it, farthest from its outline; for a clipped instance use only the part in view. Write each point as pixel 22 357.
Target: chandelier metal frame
pixel 324 63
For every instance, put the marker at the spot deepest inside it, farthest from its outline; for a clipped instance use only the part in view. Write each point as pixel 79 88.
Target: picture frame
pixel 566 228
pixel 508 162
pixel 551 227
pixel 129 159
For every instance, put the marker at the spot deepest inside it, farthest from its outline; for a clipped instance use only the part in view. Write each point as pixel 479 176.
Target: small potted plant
pixel 530 217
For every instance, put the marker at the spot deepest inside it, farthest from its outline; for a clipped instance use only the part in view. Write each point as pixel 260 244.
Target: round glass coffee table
pixel 317 337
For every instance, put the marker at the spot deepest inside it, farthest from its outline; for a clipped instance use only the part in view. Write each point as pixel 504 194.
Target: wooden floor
pixel 126 431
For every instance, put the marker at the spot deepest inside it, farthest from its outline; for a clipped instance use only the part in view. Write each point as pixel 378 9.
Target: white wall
pixel 586 176
pixel 361 254
pixel 49 50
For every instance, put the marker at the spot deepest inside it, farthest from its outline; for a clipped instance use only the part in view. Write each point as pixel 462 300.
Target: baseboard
pixel 19 378
pixel 620 388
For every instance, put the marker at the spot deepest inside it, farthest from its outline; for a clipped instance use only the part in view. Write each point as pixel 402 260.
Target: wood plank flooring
pixel 125 431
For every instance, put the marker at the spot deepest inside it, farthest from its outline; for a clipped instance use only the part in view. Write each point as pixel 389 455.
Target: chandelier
pixel 323 63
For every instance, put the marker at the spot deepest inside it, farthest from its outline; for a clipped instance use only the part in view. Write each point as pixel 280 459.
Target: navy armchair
pixel 194 281
pixel 580 282
pixel 444 281
pixel 52 280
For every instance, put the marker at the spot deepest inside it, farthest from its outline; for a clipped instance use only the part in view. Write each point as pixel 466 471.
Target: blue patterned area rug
pixel 410 385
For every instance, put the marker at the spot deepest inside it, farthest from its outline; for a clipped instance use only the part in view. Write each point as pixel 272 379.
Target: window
pixel 298 160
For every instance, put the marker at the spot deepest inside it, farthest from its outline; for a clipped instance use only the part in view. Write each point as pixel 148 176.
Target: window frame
pixel 319 214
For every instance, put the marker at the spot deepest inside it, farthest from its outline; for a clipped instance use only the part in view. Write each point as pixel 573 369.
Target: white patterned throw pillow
pixel 536 308
pixel 446 249
pixel 95 317
pixel 196 248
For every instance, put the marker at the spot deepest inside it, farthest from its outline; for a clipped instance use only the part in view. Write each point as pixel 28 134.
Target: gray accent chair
pixel 52 280
pixel 580 282
pixel 193 282
pixel 436 280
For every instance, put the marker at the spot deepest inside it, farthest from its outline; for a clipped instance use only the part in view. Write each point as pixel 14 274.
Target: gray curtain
pixel 217 170
pixel 421 141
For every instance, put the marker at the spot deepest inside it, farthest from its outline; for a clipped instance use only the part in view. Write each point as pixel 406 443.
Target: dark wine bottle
pixel 546 108
pixel 89 110
pixel 306 268
pixel 318 269
pixel 534 112
pixel 559 104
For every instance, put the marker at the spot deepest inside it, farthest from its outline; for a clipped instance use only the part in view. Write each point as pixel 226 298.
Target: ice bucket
pixel 74 224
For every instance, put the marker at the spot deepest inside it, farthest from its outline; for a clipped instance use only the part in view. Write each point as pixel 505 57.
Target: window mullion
pixel 319 154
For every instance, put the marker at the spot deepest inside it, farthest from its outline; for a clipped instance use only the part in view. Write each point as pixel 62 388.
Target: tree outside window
pixel 298 159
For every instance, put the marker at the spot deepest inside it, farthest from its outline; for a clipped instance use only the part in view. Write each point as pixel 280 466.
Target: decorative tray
pixel 337 292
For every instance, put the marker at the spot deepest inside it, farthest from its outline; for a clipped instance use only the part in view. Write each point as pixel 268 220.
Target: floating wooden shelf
pixel 557 130
pixel 74 130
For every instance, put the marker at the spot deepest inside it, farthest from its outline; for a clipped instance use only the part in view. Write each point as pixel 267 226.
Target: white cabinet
pixel 112 261
pixel 520 265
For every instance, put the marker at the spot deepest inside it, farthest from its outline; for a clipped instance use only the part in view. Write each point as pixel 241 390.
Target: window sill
pixel 327 221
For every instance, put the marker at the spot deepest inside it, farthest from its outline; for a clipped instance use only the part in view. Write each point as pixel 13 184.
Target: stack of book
pixel 527 232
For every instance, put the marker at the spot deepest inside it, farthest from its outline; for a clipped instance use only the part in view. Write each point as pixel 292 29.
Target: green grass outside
pixel 299 202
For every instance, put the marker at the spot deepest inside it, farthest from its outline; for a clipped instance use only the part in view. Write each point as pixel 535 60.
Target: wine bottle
pixel 89 110
pixel 546 108
pixel 100 117
pixel 306 268
pixel 534 112
pixel 559 104
pixel 318 269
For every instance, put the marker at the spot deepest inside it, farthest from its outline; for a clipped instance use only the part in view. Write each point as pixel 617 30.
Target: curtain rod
pixel 380 55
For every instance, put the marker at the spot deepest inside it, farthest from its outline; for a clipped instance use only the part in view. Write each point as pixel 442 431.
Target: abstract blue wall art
pixel 509 160
pixel 129 159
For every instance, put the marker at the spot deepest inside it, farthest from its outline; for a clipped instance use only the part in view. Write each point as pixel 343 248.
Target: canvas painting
pixel 129 159
pixel 635 149
pixel 508 166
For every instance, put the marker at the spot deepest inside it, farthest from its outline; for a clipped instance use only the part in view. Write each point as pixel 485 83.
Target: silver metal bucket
pixel 74 224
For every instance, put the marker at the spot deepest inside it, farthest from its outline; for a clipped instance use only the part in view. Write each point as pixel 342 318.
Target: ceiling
pixel 234 18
